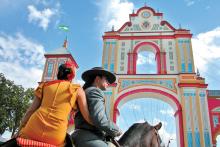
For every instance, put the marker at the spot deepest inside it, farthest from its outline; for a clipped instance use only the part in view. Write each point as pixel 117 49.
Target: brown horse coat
pixel 141 135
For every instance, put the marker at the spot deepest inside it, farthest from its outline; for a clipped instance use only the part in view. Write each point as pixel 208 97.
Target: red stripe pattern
pixel 31 143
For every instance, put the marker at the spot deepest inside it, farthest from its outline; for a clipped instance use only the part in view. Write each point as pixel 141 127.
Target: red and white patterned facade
pixel 175 81
pixel 54 59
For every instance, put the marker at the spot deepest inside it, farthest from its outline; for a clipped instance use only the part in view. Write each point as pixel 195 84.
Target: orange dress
pixel 49 122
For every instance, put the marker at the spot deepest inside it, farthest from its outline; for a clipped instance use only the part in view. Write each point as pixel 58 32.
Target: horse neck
pixel 132 137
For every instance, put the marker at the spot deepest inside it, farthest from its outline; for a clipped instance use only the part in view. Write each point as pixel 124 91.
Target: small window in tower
pixel 170 43
pixel 122 56
pixel 215 120
pixel 50 69
pixel 123 44
pixel 171 55
pixel 172 68
pixel 121 68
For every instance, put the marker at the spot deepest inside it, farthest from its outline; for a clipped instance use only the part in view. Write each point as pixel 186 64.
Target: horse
pixel 140 135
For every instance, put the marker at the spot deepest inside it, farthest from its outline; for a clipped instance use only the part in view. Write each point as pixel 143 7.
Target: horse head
pixel 156 140
pixel 141 135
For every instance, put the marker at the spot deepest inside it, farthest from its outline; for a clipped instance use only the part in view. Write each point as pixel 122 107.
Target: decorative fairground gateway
pixel 197 110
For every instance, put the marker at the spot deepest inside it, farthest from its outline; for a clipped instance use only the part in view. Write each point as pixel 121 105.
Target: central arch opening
pixel 152 94
pixel 146 63
pixel 147 58
pixel 153 111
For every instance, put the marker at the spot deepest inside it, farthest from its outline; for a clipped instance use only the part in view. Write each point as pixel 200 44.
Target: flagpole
pixel 65 29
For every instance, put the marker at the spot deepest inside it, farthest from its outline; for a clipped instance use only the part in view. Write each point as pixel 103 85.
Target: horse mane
pixel 133 135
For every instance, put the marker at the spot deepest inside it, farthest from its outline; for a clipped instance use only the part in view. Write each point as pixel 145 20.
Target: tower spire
pixel 113 28
pixel 180 26
pixel 198 73
pixel 145 3
pixel 65 43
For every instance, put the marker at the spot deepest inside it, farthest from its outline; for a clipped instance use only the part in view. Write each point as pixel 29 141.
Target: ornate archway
pixel 160 58
pixel 176 78
pixel 164 96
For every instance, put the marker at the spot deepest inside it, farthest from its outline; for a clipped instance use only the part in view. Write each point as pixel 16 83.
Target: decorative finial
pixel 113 29
pixel 180 27
pixel 65 43
pixel 197 73
pixel 133 11
pixel 145 3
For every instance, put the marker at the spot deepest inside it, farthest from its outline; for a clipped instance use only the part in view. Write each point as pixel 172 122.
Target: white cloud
pixel 169 112
pixel 80 82
pixel 44 2
pixel 146 58
pixel 22 59
pixel 114 13
pixel 51 9
pixel 206 49
pixel 42 17
pixel 141 59
pixel 189 2
pixel 140 121
pixel 134 107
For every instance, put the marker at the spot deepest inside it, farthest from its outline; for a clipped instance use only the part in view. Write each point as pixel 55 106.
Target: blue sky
pixel 28 29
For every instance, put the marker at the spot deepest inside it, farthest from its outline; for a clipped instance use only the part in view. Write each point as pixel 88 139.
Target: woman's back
pixel 59 97
pixel 49 123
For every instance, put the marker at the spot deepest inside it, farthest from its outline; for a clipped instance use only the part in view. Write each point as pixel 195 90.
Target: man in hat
pixel 86 135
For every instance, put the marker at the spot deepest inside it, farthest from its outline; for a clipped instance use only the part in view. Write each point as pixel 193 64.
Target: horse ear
pixel 158 126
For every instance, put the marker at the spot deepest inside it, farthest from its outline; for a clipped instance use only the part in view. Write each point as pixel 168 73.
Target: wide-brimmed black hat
pixel 98 71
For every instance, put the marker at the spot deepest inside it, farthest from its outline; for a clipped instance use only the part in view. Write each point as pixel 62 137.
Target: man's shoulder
pixel 94 90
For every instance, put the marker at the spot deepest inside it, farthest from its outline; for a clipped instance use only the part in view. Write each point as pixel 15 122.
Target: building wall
pixel 214 112
pixel 147 31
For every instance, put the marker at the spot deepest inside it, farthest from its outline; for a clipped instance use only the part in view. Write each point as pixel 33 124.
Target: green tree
pixel 14 101
pixel 4 104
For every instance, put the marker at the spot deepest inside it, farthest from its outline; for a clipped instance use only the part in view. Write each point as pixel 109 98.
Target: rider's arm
pixel 98 114
pixel 82 102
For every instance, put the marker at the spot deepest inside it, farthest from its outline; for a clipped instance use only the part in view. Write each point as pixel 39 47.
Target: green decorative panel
pixel 165 83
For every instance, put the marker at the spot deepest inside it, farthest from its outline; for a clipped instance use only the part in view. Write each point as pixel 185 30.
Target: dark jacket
pixel 103 126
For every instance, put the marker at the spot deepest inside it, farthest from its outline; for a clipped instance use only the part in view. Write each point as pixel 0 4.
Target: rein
pixel 114 141
pixel 158 137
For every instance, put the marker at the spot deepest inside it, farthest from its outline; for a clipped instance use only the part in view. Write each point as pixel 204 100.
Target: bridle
pixel 158 136
pixel 114 141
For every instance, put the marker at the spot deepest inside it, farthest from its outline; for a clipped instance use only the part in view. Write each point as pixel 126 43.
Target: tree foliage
pixel 14 101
